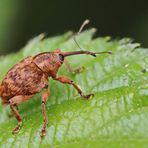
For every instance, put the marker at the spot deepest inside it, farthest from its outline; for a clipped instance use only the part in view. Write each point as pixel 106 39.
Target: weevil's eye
pixel 61 57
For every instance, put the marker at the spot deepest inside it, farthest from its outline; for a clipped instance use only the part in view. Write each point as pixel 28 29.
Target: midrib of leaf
pixel 102 118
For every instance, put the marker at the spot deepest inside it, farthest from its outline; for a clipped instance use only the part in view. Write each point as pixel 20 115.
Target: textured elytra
pixel 20 80
pixel 116 116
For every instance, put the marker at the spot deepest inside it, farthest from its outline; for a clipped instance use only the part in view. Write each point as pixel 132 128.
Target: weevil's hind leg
pixel 13 105
pixel 65 79
pixel 18 117
pixel 71 70
pixel 45 96
pixel 10 114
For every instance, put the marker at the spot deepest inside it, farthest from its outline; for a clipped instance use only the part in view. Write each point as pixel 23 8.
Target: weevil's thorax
pixel 49 63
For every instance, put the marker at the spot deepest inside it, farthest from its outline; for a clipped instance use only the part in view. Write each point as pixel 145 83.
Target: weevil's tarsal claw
pixel 43 132
pixel 89 96
pixel 79 70
pixel 17 128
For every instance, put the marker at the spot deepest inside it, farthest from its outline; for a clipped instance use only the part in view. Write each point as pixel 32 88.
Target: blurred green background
pixel 21 20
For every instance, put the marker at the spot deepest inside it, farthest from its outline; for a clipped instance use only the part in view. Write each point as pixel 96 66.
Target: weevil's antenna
pixel 80 30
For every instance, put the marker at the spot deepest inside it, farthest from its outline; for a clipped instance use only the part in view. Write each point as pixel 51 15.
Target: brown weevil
pixel 30 76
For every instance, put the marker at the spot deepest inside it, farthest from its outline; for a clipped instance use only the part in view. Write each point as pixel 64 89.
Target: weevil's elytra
pixel 30 76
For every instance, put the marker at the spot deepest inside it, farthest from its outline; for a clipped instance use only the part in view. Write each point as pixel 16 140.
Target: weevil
pixel 30 76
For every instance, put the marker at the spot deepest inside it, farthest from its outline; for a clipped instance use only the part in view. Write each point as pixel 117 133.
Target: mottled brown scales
pixel 30 76
pixel 24 78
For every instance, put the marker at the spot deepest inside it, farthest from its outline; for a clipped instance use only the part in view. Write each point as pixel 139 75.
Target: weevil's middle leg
pixel 44 100
pixel 71 70
pixel 65 79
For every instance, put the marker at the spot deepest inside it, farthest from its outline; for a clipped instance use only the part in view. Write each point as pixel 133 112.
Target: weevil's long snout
pixel 65 54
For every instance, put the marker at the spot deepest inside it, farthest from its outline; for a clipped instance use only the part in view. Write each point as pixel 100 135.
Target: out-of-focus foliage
pixel 8 28
pixel 21 20
pixel 117 116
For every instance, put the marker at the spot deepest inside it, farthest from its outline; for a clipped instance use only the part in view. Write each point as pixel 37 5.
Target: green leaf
pixel 117 116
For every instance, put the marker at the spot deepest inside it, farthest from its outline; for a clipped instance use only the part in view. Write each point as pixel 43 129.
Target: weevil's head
pixel 50 62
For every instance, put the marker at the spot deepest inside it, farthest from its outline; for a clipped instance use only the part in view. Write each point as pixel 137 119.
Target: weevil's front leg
pixel 44 100
pixel 13 105
pixel 65 79
pixel 70 69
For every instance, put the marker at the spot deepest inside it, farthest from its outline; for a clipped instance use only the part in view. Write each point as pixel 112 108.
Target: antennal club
pixel 80 30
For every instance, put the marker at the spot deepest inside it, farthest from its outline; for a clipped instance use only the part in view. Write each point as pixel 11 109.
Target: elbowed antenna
pixel 65 54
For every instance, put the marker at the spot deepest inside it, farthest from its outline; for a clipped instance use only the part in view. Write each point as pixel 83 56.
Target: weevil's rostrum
pixel 30 76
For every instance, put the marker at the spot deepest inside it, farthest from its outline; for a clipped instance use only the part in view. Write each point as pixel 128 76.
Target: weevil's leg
pixel 13 104
pixel 65 79
pixel 18 117
pixel 11 113
pixel 45 96
pixel 70 69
